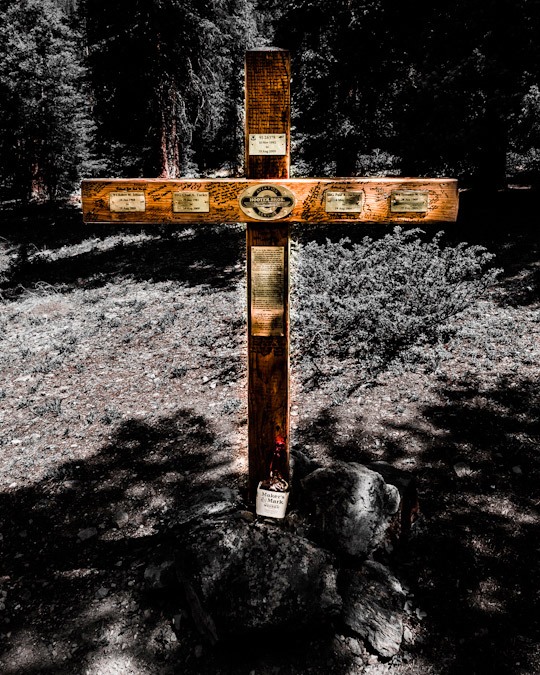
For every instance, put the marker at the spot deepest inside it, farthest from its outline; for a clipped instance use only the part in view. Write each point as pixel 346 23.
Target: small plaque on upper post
pixel 344 202
pixel 408 201
pixel 191 202
pixel 268 144
pixel 127 202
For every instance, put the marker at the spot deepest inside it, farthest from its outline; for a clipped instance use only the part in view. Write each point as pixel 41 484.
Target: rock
pixel 372 598
pixel 87 533
pixel 121 518
pixel 301 466
pixel 245 515
pixel 218 501
pixel 102 592
pixel 159 576
pixel 350 507
pixel 409 508
pixel 517 470
pixel 462 469
pixel 240 577
pixel 408 636
pixel 72 484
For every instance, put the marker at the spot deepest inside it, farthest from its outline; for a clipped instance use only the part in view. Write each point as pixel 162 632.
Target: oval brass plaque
pixel 266 201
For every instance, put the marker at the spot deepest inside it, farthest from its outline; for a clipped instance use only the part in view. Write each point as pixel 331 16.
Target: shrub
pixel 369 304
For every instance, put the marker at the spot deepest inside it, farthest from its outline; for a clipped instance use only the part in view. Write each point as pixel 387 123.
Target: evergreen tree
pixel 166 76
pixel 469 66
pixel 345 68
pixel 46 131
pixel 438 87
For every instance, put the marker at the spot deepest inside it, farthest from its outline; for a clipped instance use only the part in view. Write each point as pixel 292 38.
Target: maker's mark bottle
pixel 275 482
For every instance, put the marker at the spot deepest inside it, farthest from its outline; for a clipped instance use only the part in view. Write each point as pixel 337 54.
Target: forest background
pixel 90 88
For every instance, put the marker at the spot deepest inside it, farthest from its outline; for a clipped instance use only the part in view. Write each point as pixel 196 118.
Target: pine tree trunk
pixel 169 153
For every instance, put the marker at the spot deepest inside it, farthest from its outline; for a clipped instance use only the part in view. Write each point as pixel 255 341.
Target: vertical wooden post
pixel 267 112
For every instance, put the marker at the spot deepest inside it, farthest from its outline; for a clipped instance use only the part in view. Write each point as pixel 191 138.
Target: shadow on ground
pixel 474 555
pixel 77 604
pixel 477 556
pixel 53 576
pixel 204 254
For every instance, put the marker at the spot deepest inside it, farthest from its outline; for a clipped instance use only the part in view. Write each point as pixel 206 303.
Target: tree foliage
pixel 435 88
pixel 44 107
pixel 154 88
pixel 166 78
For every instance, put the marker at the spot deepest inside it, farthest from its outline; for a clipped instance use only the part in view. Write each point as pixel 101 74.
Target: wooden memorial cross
pixel 268 201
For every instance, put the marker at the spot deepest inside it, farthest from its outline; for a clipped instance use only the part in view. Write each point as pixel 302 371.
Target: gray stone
pixel 372 601
pixel 408 636
pixel 121 518
pixel 87 533
pixel 462 469
pixel 350 507
pixel 73 484
pixel 240 577
pixel 215 502
pixel 409 507
pixel 301 466
pixel 159 576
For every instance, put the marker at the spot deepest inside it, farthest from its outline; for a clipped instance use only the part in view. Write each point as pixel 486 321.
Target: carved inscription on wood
pixel 267 292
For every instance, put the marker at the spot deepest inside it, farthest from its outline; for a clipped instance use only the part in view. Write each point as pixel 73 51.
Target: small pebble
pixel 407 635
pixel 87 533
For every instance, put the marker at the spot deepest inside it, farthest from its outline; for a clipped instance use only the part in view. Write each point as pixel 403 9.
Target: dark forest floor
pixel 122 400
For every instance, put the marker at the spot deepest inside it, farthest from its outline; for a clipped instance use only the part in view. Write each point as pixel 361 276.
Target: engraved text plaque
pixel 268 144
pixel 191 202
pixel 267 291
pixel 344 202
pixel 408 201
pixel 127 202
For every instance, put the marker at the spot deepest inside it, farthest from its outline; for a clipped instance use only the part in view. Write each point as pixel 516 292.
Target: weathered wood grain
pixel 267 111
pixel 309 194
pixel 268 108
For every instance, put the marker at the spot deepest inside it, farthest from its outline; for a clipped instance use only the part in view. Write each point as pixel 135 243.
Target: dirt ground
pixel 122 400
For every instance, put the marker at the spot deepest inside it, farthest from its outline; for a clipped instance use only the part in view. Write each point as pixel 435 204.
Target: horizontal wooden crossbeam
pixel 315 200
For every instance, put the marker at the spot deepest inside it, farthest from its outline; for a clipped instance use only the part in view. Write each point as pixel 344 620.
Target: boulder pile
pixel 242 574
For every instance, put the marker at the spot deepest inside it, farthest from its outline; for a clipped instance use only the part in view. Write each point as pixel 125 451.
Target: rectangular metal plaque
pixel 191 202
pixel 408 201
pixel 344 202
pixel 125 202
pixel 268 144
pixel 267 291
